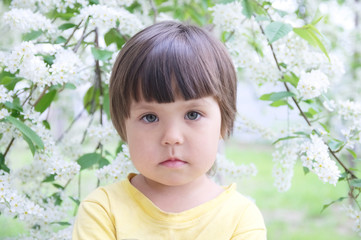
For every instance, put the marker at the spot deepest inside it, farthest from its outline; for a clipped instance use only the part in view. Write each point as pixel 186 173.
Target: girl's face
pixel 174 143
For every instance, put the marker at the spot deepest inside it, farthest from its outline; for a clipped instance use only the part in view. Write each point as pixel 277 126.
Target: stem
pixel 75 49
pixel 98 77
pixel 72 123
pixel 9 146
pixel 31 93
pixel 72 34
pixel 155 11
pixel 41 95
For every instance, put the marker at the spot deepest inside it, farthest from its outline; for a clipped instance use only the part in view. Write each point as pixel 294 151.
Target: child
pixel 173 97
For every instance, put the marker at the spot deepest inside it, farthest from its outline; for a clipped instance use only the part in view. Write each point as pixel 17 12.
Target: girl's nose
pixel 172 135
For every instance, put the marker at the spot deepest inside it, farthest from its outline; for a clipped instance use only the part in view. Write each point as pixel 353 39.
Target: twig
pixel 72 123
pixel 75 49
pixel 71 35
pixel 41 95
pixel 155 11
pixel 9 146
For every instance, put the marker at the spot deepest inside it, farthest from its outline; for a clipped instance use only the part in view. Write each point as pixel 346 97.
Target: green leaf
pixel 66 26
pixel 46 124
pixel 335 144
pixel 88 160
pixel 28 132
pixel 77 201
pixel 355 183
pixel 88 99
pixel 3 165
pixel 45 101
pixel 327 205
pixel 103 162
pixel 106 105
pixel 60 39
pixel 32 35
pixel 62 223
pixel 247 8
pixel 306 170
pixel 30 144
pixel 293 79
pixel 113 36
pixel 309 33
pixel 8 80
pixel 70 86
pixel 277 30
pixel 325 127
pixel 15 105
pixel 279 103
pixel 284 138
pixel 352 153
pixel 275 96
pixel 50 178
pixel 101 55
pixel 58 186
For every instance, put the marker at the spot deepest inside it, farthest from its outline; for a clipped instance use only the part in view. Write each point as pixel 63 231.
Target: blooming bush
pixel 65 56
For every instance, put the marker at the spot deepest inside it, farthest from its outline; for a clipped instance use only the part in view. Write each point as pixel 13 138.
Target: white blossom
pixel 312 84
pixel 116 3
pixel 118 169
pixel 316 158
pixel 355 215
pixel 228 17
pixel 105 17
pixel 285 158
pixel 26 20
pixel 226 167
pixel 5 95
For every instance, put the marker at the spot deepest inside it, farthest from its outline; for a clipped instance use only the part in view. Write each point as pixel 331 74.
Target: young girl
pixel 172 98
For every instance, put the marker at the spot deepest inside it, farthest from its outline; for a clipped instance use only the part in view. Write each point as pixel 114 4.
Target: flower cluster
pixel 25 59
pixel 116 3
pixel 225 167
pixel 312 84
pixel 5 95
pixel 118 169
pixel 102 133
pixel 228 17
pixel 285 158
pixel 355 215
pixel 104 17
pixel 315 157
pixel 25 20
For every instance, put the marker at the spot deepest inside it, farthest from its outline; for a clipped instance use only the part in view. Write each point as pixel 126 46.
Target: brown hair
pixel 170 58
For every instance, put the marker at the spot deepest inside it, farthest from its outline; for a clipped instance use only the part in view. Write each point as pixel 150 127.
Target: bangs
pixel 176 66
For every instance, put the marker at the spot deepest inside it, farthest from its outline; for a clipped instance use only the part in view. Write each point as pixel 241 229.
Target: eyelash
pixel 144 117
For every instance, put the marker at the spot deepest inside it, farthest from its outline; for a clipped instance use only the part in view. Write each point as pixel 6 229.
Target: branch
pixel 75 49
pixel 155 11
pixel 9 146
pixel 71 35
pixel 301 111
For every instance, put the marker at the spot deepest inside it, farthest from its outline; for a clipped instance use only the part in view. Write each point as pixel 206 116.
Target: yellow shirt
pixel 120 211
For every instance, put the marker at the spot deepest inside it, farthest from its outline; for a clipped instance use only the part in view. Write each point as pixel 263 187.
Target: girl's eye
pixel 149 118
pixel 192 115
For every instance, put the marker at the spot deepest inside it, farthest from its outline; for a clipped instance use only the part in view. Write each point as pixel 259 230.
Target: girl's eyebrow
pixel 192 103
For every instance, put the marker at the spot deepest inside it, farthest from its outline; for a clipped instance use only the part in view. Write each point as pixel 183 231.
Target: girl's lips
pixel 173 163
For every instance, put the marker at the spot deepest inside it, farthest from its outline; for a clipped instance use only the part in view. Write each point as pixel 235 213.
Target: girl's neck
pixel 178 198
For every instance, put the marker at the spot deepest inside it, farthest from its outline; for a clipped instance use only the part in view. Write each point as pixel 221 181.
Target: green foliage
pixel 310 33
pixel 3 164
pixel 45 101
pixel 277 30
pixel 27 132
pixel 276 96
pixel 32 35
pixel 90 159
